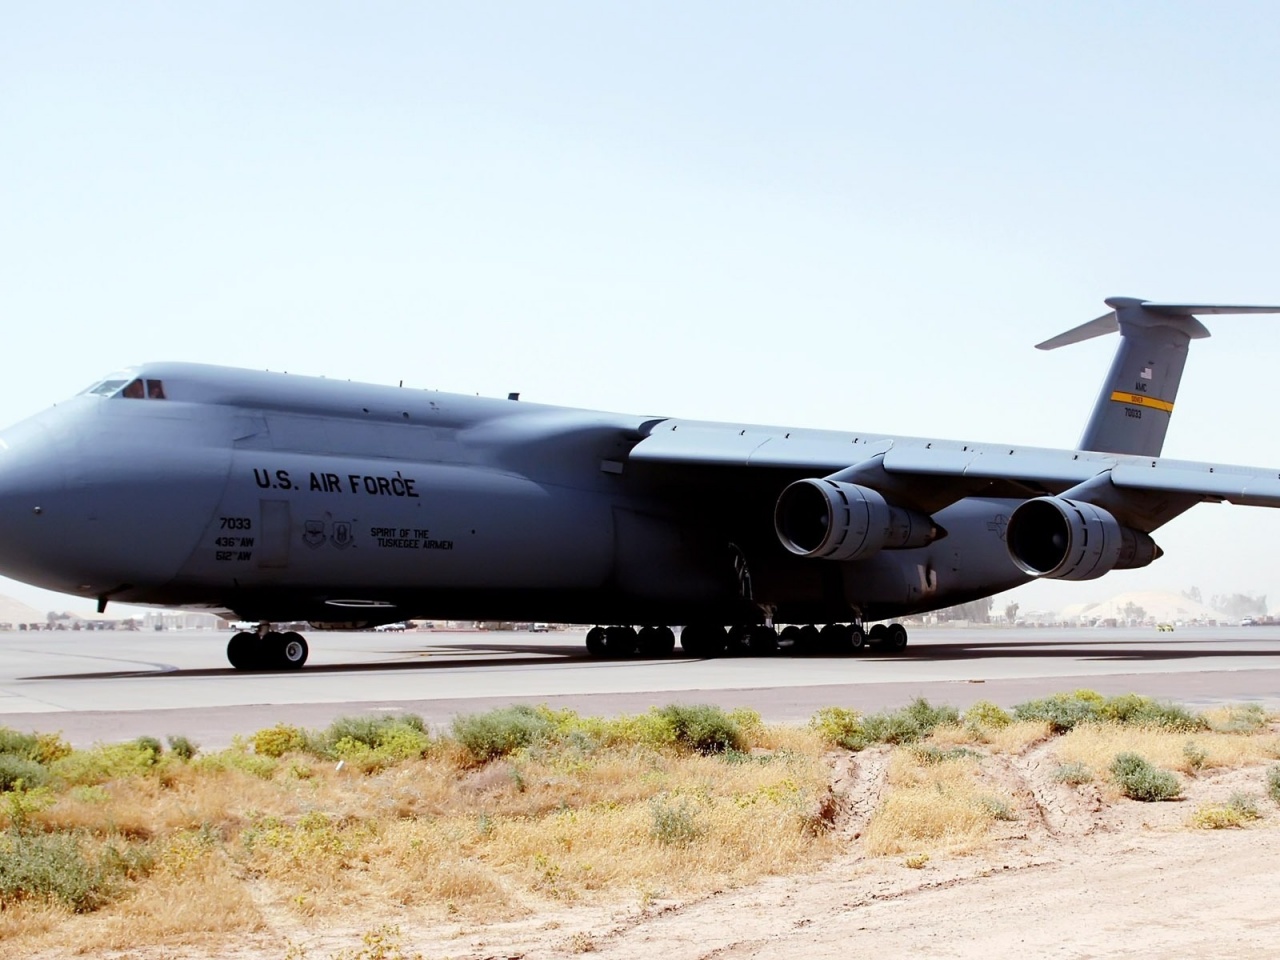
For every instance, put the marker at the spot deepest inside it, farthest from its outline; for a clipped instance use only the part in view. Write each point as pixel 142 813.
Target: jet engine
pixel 830 520
pixel 1062 539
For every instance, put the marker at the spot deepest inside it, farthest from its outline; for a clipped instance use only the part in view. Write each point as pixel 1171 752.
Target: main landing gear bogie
pixel 706 641
pixel 267 650
pixel 621 642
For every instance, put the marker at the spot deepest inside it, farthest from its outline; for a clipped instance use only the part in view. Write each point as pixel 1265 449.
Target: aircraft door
pixel 273 534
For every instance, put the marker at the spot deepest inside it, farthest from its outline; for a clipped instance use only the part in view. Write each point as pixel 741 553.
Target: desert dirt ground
pixel 1077 872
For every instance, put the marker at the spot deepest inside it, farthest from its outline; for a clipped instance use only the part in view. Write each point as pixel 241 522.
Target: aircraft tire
pixel 896 636
pixel 702 640
pixel 738 641
pixel 595 642
pixel 834 638
pixel 857 638
pixel 657 642
pixel 241 649
pixel 789 634
pixel 807 639
pixel 291 651
pixel 620 642
pixel 878 634
pixel 762 642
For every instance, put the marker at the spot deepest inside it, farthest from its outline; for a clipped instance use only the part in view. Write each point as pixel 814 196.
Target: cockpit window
pixel 137 389
pixel 106 388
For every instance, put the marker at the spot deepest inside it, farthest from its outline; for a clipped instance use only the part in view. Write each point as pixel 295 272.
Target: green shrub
pixel 1065 711
pixel 673 822
pixel 913 722
pixel 182 748
pixel 373 729
pixel 840 727
pixel 276 741
pixel 14 743
pixel 1074 773
pixel 996 808
pixel 1242 718
pixel 1236 812
pixel 1134 710
pixel 1273 783
pixel 701 727
pixel 497 733
pixel 1139 780
pixel 237 758
pixel 1195 754
pixel 930 755
pixel 39 866
pixel 150 746
pixel 984 713
pixel 1062 711
pixel 20 773
pixel 103 762
pixel 853 731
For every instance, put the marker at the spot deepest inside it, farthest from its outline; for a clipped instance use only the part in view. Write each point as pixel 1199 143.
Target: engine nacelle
pixel 1063 539
pixel 843 521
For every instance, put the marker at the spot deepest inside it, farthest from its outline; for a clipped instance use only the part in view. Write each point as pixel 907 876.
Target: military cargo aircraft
pixel 273 498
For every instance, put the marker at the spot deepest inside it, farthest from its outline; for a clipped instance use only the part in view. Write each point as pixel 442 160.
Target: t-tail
pixel 1132 412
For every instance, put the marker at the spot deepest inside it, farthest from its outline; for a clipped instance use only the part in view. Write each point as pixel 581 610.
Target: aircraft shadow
pixel 521 655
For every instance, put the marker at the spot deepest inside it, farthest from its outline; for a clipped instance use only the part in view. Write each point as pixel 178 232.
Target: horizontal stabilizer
pixel 1134 309
pixel 1131 414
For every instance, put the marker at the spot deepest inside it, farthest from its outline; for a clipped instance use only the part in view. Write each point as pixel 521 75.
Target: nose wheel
pixel 267 650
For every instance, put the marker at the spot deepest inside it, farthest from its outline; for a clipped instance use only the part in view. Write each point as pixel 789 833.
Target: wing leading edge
pixel 946 471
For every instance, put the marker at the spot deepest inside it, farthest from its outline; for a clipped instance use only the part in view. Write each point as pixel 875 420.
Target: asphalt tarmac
pixel 104 686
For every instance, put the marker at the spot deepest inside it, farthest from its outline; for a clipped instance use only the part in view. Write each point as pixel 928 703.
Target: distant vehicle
pixel 391 627
pixel 1247 622
pixel 539 627
pixel 272 499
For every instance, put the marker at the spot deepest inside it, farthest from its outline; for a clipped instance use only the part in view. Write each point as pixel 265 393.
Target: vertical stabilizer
pixel 1133 409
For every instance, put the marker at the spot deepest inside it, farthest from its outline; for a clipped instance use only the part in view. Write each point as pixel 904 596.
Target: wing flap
pixel 1246 486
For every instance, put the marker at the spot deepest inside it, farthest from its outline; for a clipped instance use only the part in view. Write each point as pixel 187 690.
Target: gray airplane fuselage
pixel 279 497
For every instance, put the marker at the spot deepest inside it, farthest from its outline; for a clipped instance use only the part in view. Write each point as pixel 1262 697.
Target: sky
pixel 857 216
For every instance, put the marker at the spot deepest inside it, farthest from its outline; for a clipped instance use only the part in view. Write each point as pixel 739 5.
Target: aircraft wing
pixel 931 474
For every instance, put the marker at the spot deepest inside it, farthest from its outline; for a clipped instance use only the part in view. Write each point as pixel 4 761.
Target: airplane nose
pixel 33 496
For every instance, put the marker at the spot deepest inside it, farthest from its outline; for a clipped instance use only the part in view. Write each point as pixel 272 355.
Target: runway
pixel 113 686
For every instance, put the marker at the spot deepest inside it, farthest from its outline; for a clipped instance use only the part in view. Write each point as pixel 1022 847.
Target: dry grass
pixel 933 806
pixel 1014 737
pixel 1096 746
pixel 216 846
pixel 232 835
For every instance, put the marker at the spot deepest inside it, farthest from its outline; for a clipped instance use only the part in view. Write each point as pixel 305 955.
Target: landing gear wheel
pixel 241 651
pixel 857 638
pixel 896 636
pixel 834 638
pixel 595 642
pixel 738 641
pixel 878 634
pixel 762 642
pixel 789 634
pixel 291 651
pixel 656 642
pixel 702 640
pixel 807 638
pixel 620 642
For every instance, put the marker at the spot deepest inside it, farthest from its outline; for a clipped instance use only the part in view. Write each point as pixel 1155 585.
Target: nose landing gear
pixel 267 650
